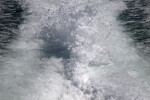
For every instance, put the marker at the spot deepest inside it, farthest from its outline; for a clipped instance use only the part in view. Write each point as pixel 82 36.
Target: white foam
pixel 106 67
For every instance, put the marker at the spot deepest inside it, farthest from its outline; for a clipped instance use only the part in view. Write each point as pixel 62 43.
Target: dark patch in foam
pixel 10 19
pixel 56 44
pixel 59 38
pixel 56 41
pixel 135 20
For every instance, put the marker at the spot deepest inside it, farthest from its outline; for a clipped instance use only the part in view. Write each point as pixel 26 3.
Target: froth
pixel 101 64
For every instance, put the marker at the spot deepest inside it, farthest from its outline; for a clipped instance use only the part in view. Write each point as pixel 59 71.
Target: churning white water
pixel 96 60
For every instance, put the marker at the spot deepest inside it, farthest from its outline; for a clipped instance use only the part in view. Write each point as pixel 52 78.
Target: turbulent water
pixel 74 50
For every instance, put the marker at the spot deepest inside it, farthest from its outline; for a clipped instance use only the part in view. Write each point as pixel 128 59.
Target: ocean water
pixel 74 50
pixel 136 22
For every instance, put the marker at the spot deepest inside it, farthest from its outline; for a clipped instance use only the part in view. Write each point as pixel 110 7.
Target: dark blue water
pixel 10 18
pixel 136 22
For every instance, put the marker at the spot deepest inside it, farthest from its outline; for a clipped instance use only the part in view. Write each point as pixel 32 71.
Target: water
pixel 10 19
pixel 74 50
pixel 136 22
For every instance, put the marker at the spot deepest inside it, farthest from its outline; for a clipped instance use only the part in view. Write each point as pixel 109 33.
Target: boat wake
pixel 73 50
